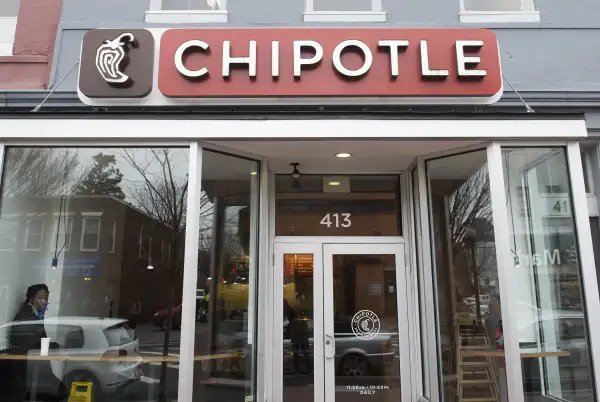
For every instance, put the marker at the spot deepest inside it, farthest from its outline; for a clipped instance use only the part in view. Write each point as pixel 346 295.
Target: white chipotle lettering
pixel 466 65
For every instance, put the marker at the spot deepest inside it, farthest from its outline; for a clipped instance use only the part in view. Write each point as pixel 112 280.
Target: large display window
pixel 510 257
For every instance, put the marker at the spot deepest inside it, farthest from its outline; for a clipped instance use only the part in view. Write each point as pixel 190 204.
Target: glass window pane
pixel 343 5
pixel 546 278
pixel 298 327
pixel 337 206
pixel 225 353
pixel 102 313
pixel 191 5
pixel 367 345
pixel 9 8
pixel 492 5
pixel 471 344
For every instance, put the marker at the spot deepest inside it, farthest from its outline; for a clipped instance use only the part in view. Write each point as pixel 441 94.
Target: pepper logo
pixel 110 56
pixel 365 324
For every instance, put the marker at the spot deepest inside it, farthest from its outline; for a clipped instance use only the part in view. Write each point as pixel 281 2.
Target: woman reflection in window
pixel 26 334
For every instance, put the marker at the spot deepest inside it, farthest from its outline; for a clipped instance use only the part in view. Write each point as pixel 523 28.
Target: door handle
pixel 330 342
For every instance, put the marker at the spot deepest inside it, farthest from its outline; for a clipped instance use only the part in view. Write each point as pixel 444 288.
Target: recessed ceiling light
pixel 253 173
pixel 334 183
pixel 343 155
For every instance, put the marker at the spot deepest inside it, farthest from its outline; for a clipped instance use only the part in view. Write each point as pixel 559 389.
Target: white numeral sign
pixel 337 220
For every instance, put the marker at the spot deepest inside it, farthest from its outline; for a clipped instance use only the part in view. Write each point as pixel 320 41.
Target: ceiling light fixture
pixel 343 155
pixel 295 173
pixel 253 173
pixel 334 183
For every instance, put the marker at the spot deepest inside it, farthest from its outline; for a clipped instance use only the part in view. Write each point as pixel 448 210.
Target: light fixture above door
pixel 295 173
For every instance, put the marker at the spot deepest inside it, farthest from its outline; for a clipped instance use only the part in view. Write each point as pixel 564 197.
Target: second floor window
pixel 344 11
pixel 90 234
pixel 498 11
pixel 61 233
pixel 113 237
pixel 187 11
pixel 34 234
pixel 9 9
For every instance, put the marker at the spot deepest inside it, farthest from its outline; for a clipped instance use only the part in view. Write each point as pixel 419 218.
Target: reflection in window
pixel 34 234
pixel 225 299
pixel 61 233
pixel 90 234
pixel 546 276
pixel 470 322
pixel 115 315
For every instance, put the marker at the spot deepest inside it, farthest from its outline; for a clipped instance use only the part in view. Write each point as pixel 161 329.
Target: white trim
pixel 94 214
pixel 427 278
pixel 586 255
pixel 34 214
pixel 505 263
pixel 8 28
pixel 190 276
pixel 279 129
pixel 340 239
pixel 263 347
pixel 63 213
pixel 83 220
pixel 186 17
pixel 345 16
pixel 498 17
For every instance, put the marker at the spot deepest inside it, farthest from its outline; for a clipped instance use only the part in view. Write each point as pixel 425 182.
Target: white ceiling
pixel 318 157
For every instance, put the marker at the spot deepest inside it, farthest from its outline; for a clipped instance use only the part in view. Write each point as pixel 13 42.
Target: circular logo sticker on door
pixel 365 324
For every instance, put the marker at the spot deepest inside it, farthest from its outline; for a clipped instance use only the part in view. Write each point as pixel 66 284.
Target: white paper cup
pixel 45 347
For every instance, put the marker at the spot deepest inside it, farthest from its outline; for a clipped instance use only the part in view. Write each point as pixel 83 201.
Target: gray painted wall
pixel 557 58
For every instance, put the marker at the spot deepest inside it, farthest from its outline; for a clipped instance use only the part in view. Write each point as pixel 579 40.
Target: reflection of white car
pixel 93 338
pixel 483 299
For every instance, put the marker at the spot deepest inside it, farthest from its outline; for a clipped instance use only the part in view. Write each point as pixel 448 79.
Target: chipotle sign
pixel 295 65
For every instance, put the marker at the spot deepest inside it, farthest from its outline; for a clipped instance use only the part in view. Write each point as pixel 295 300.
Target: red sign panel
pixel 330 62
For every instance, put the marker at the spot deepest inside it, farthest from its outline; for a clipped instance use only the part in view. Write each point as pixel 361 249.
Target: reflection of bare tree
pixel 162 194
pixel 470 217
pixel 470 202
pixel 38 171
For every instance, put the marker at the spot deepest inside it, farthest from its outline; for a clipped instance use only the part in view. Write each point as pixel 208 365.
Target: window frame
pixel 64 216
pixel 376 14
pixel 31 217
pixel 85 217
pixel 15 220
pixel 156 14
pixel 527 13
pixel 8 30
pixel 113 237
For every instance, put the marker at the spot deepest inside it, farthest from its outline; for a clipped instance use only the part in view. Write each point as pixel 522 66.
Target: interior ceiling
pixel 318 157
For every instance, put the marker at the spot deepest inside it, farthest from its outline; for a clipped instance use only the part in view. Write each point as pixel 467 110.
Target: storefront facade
pixel 293 214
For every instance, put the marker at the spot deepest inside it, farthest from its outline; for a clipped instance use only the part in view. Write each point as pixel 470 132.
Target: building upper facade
pixel 546 46
pixel 27 38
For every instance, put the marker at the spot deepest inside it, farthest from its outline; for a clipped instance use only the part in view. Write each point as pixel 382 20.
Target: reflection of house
pixel 89 250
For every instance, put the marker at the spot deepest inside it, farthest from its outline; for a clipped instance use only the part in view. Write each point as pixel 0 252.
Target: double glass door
pixel 343 320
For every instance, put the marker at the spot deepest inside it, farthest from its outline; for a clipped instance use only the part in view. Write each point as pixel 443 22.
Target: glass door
pixel 365 323
pixel 343 321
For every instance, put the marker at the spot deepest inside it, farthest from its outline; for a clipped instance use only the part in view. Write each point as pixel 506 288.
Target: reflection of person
pixel 134 312
pixel 298 332
pixel 28 337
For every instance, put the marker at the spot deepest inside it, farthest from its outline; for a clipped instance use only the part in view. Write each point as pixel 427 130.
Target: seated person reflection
pixel 29 377
pixel 299 336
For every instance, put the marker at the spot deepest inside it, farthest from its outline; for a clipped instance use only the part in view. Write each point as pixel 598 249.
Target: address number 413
pixel 337 220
